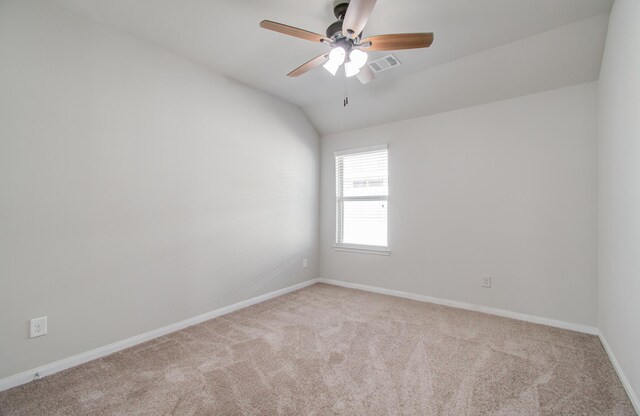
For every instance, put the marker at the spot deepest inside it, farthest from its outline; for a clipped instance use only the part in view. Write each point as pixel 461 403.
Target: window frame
pixel 340 199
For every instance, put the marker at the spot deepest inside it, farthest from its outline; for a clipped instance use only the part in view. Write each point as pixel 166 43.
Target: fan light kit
pixel 337 57
pixel 348 48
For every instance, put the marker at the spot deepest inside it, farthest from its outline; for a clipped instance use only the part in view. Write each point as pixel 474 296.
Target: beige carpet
pixel 327 350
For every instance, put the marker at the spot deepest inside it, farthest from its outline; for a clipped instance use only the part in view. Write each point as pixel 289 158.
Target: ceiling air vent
pixel 384 63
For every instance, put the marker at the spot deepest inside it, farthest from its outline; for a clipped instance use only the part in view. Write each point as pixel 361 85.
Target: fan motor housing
pixel 334 29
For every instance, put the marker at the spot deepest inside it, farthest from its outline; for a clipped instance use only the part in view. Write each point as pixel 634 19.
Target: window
pixel 362 199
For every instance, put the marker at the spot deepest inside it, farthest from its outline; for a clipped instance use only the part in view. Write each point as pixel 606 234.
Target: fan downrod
pixel 340 9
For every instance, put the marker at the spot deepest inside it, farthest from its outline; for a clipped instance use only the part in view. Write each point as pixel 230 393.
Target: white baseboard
pixel 468 306
pixel 623 378
pixel 63 364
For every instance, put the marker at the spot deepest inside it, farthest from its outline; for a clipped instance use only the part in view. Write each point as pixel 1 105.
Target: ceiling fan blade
pixel 365 75
pixel 309 65
pixel 356 17
pixel 292 31
pixel 398 41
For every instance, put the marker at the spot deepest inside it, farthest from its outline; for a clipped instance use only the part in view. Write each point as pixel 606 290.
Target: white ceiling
pixel 224 35
pixel 557 58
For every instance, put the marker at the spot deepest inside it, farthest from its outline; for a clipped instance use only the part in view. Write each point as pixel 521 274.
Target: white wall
pixel 137 188
pixel 619 189
pixel 506 189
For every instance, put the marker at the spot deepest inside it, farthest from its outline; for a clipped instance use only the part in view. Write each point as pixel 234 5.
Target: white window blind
pixel 362 196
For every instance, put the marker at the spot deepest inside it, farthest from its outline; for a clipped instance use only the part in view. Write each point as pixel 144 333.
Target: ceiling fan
pixel 345 39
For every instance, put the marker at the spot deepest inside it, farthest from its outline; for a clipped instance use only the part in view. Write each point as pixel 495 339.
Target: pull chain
pixel 345 102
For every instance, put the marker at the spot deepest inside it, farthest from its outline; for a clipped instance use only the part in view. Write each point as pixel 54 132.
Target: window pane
pixel 365 174
pixel 365 222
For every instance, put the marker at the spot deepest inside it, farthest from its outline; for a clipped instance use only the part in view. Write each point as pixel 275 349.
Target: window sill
pixel 380 251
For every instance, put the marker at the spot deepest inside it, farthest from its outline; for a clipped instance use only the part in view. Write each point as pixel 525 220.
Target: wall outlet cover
pixel 486 281
pixel 304 263
pixel 38 327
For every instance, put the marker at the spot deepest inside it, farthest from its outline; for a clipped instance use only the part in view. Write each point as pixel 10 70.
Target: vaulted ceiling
pixel 483 50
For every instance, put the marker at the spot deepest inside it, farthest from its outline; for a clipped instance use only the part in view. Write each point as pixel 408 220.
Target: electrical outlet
pixel 486 281
pixel 304 263
pixel 38 327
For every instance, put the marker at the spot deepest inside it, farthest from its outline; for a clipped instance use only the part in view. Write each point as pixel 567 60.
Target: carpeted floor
pixel 327 350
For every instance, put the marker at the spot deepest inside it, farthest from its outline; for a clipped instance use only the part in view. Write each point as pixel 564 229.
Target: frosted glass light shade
pixel 336 58
pixel 351 68
pixel 358 57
